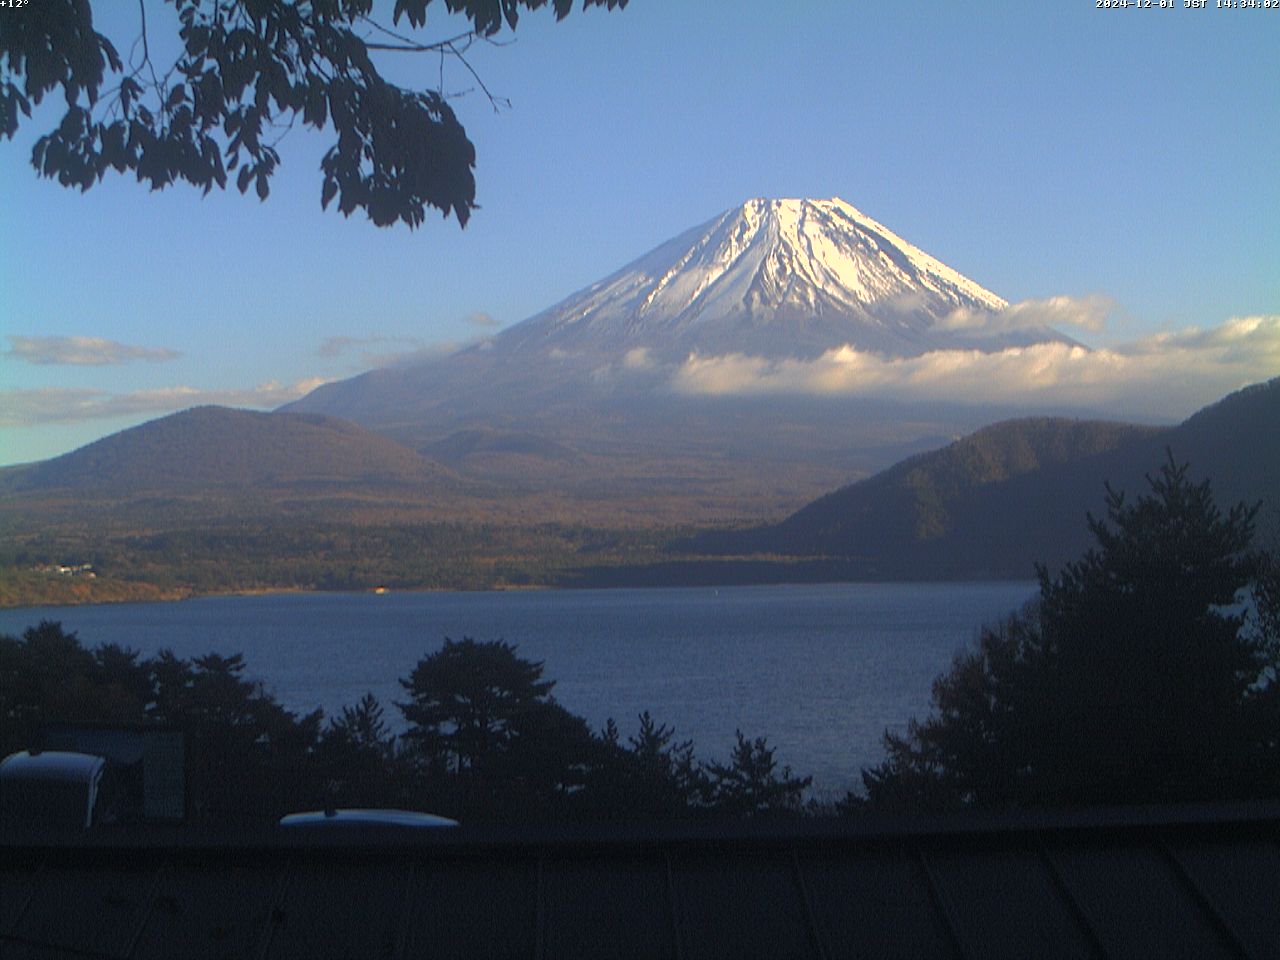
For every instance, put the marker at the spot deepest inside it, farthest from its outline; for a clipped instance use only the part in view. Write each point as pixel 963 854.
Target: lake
pixel 820 669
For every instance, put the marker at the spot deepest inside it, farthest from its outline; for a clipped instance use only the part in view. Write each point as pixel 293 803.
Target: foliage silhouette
pixel 652 776
pixel 483 722
pixel 749 785
pixel 485 727
pixel 1139 676
pixel 362 727
pixel 486 741
pixel 47 673
pixel 468 700
pixel 249 70
pixel 358 757
pixel 249 759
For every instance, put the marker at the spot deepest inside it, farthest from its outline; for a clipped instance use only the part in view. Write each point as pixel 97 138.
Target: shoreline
pixel 634 578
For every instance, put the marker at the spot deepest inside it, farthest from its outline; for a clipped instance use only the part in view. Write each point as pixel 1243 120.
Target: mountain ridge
pixel 990 505
pixel 943 514
pixel 221 446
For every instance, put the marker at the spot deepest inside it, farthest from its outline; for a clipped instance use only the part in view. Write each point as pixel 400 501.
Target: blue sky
pixel 1044 150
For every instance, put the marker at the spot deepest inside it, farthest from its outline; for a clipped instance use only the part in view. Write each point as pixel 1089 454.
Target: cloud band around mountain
pixel 28 408
pixel 81 351
pixel 1085 313
pixel 1165 375
pixel 395 352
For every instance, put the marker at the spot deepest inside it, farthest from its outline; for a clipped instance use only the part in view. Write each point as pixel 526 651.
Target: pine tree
pixel 1139 676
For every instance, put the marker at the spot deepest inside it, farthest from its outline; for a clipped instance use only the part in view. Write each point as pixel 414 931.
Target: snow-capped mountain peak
pixel 771 277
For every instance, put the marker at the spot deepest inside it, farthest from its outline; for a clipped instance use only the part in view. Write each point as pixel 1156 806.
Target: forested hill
pixel 221 447
pixel 1012 494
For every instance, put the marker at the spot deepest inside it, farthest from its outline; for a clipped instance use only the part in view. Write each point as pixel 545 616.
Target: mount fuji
pixel 579 398
pixel 771 278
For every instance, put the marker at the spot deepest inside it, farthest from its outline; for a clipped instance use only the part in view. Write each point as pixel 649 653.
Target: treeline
pixel 326 556
pixel 1147 671
pixel 486 741
pixel 40 588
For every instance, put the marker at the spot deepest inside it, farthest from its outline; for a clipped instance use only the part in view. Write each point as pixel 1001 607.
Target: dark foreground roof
pixel 1186 882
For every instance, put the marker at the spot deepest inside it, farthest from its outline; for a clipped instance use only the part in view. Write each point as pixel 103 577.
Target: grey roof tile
pixel 1005 902
pixel 875 903
pixel 1241 882
pixel 18 873
pixel 348 907
pixel 608 908
pixel 1161 882
pixel 93 906
pixel 737 903
pixel 1137 903
pixel 471 907
pixel 209 910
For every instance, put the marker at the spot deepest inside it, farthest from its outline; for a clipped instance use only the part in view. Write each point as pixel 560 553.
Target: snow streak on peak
pixel 774 278
pixel 829 247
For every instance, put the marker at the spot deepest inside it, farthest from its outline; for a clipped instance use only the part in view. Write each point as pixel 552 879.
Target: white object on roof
pixel 50 788
pixel 366 818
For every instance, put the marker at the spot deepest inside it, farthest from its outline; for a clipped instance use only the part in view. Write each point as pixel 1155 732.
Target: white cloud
pixel 342 346
pixel 339 346
pixel 409 358
pixel 638 366
pixel 397 352
pixel 382 350
pixel 81 351
pixel 25 408
pixel 1085 313
pixel 638 358
pixel 1167 375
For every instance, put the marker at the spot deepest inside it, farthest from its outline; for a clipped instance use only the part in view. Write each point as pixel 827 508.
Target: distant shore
pixel 24 589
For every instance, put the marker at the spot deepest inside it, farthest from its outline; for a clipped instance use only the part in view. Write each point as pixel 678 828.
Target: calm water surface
pixel 821 670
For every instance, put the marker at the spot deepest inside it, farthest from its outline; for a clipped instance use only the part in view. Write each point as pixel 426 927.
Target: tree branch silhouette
pixel 247 66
